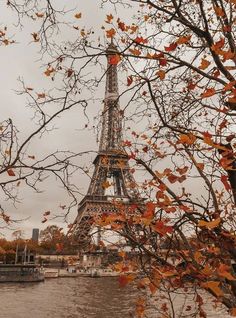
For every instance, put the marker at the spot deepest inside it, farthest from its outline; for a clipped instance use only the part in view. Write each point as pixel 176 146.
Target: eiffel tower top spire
pixel 111 134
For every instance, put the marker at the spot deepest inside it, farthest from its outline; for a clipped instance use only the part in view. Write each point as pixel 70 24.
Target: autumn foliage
pixel 179 61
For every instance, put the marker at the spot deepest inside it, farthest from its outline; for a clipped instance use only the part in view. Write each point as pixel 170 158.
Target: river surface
pixel 79 297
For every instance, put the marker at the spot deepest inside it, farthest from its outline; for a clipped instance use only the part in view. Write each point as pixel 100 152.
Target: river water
pixel 79 297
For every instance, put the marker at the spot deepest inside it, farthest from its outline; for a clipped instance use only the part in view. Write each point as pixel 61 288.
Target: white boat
pixel 51 273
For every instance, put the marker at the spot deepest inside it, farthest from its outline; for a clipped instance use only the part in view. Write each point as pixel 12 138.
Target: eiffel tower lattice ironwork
pixel 112 178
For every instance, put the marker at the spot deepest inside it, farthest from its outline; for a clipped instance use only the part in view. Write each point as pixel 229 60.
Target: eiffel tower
pixel 112 179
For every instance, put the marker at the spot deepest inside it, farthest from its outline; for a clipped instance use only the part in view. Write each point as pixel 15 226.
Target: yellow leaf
pixel 210 225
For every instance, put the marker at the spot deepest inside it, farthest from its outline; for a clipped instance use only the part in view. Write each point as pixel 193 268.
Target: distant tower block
pixel 35 235
pixel 111 165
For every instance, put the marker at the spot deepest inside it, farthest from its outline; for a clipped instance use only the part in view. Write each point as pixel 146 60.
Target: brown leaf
pixel 224 180
pixel 41 95
pixel 35 36
pixel 129 80
pixel 78 15
pixel 49 71
pixel 39 14
pixel 11 173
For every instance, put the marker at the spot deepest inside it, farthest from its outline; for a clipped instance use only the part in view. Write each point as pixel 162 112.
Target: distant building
pixel 35 235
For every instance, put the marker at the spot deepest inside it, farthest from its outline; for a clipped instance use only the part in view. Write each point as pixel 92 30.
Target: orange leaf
pixel 182 171
pixel 233 312
pixel 224 180
pixel 111 33
pixel 125 279
pixel 208 93
pixel 183 39
pixel 78 15
pixel 228 55
pixel 172 178
pixel 210 225
pixel 140 39
pixel 135 52
pixel 49 71
pixel 224 271
pixel 218 45
pixel 109 18
pixel 200 165
pixel 161 228
pixel 161 74
pixel 204 64
pixel 106 184
pixel 114 59
pixel 11 173
pixel 153 288
pixel 207 139
pixel 219 12
pixel 171 47
pixel 121 26
pixel 187 139
pixel 214 287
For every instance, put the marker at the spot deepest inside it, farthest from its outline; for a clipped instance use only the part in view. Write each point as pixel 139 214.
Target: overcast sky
pixel 21 60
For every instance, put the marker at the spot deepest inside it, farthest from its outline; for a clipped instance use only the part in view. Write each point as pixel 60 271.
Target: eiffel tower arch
pixel 112 179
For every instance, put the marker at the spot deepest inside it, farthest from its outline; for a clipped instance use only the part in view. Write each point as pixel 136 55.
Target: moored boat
pixel 51 273
pixel 20 273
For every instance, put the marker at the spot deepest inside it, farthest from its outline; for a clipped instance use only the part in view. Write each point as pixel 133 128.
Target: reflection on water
pixel 67 298
pixel 84 297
